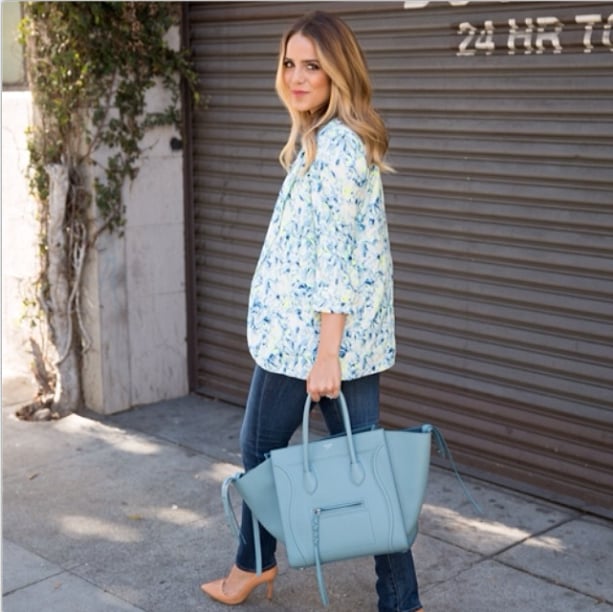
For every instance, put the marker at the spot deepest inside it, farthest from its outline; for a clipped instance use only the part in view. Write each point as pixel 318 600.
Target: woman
pixel 321 314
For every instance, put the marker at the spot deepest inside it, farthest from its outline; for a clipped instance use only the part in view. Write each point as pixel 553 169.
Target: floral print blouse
pixel 326 251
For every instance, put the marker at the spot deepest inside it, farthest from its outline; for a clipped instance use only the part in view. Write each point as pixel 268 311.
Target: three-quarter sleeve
pixel 339 180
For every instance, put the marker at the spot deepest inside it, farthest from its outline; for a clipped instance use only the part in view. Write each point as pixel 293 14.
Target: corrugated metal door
pixel 501 218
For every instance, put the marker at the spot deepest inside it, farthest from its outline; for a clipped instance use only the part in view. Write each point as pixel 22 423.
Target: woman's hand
pixel 324 379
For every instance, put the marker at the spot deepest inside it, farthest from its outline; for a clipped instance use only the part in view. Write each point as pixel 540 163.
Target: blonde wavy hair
pixel 341 58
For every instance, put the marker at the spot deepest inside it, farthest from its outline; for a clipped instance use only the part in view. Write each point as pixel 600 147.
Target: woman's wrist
pixel 330 334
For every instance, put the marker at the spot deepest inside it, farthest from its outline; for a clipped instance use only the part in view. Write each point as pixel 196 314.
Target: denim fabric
pixel 273 413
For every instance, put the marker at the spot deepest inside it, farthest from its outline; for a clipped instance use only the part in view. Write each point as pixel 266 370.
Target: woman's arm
pixel 324 379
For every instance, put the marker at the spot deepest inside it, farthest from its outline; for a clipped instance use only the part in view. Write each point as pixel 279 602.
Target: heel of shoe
pixel 269 587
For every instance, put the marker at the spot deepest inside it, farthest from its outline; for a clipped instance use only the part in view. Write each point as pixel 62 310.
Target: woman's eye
pixel 288 64
pixel 313 66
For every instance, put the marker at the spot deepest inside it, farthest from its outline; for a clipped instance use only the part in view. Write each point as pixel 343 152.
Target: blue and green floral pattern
pixel 326 250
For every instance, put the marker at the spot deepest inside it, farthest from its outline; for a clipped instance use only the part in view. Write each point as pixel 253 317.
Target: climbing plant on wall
pixel 90 66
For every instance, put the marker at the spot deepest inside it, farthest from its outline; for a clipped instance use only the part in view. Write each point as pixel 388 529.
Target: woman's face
pixel 307 84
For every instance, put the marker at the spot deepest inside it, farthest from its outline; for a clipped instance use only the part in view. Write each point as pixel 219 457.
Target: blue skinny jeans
pixel 273 413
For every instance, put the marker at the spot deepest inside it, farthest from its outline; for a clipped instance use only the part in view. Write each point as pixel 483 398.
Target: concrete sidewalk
pixel 124 513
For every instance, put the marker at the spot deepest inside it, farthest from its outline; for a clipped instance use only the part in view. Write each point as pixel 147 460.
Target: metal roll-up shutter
pixel 235 142
pixel 500 212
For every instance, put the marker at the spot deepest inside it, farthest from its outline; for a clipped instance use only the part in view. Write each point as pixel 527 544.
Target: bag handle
pixel 356 469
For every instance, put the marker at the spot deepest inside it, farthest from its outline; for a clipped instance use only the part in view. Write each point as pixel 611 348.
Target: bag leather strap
pixel 323 594
pixel 233 522
pixel 227 504
pixel 445 453
pixel 356 469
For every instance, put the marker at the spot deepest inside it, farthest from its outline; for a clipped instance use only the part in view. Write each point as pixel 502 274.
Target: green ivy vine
pixel 90 66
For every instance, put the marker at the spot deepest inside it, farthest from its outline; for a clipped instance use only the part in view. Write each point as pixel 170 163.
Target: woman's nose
pixel 298 75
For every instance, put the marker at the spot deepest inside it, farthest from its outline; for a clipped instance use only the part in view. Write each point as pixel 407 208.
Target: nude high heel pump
pixel 237 586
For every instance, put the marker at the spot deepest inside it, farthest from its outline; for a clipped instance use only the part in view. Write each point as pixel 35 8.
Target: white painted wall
pixel 135 292
pixel 19 235
pixel 134 289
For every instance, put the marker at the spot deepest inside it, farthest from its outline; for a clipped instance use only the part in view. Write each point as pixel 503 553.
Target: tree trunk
pixel 67 396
